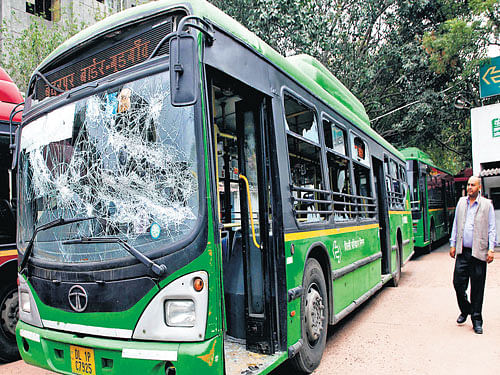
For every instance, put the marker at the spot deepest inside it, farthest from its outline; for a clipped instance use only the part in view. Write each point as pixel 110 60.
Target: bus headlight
pixel 180 313
pixel 28 311
pixel 25 303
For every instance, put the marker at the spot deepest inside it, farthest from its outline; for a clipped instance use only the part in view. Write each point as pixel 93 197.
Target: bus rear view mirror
pixel 183 70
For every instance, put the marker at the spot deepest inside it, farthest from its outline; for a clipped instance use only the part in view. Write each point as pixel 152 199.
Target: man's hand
pixel 452 252
pixel 490 257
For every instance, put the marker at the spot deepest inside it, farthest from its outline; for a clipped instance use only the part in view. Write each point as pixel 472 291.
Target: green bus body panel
pixel 205 357
pixel 354 284
pixel 438 216
pixel 401 220
pixel 305 69
pixel 414 153
pixel 345 289
pixel 129 318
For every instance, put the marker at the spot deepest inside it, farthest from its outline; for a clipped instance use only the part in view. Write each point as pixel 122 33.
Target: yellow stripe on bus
pixel 399 212
pixel 437 209
pixel 326 232
pixel 8 253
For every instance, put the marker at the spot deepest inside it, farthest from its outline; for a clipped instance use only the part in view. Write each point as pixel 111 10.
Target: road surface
pixel 412 329
pixel 406 330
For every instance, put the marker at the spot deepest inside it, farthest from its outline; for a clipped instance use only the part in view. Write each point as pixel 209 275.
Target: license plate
pixel 82 360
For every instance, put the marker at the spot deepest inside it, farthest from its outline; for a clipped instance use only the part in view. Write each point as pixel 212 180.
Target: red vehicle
pixel 10 97
pixel 461 183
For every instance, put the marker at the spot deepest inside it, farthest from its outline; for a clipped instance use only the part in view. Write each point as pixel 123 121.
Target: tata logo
pixel 78 298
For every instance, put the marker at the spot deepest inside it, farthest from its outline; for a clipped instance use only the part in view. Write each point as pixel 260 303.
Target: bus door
pixel 423 200
pixel 383 216
pixel 255 220
pixel 243 184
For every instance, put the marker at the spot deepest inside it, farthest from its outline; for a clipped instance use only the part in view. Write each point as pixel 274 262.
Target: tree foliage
pixel 25 51
pixel 405 60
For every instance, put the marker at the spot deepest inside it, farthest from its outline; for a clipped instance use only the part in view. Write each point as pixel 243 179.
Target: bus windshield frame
pixel 141 166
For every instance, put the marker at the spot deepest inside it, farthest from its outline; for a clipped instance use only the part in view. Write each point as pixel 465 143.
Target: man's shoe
pixel 462 318
pixel 478 326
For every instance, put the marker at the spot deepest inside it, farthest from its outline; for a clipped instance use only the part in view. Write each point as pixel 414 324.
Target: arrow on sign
pixel 493 74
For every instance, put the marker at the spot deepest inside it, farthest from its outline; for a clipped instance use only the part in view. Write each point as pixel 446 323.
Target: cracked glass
pixel 125 157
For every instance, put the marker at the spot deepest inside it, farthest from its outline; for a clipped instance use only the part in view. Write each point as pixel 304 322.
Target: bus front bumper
pixel 50 349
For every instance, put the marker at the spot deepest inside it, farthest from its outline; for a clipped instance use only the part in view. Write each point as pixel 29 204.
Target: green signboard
pixel 489 78
pixel 495 127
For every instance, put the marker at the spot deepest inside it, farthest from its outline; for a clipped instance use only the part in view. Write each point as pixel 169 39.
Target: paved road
pixel 412 330
pixel 406 330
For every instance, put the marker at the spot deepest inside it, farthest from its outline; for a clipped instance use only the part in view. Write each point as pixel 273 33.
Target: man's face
pixel 473 186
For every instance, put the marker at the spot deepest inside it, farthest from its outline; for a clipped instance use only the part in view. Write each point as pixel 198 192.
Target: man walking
pixel 473 242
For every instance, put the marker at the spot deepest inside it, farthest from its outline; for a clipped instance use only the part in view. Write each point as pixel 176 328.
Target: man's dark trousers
pixel 466 266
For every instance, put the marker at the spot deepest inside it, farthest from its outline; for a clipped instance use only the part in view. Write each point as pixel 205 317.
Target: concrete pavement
pixel 406 330
pixel 412 329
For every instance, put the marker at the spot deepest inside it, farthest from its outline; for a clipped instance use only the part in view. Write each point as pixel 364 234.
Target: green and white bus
pixel 192 201
pixel 432 192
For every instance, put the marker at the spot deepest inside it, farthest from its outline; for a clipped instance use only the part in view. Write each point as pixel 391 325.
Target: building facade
pixel 16 15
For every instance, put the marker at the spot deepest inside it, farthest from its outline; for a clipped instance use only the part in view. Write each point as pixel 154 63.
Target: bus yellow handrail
pixel 231 225
pixel 242 177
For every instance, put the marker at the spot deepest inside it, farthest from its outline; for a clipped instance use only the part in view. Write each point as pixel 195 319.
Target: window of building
pixel 304 154
pixel 48 9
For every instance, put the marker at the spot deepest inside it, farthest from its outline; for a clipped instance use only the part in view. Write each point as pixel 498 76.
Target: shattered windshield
pixel 126 157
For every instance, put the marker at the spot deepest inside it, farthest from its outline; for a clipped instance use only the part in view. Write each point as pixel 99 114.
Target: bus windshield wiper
pixel 41 228
pixel 157 269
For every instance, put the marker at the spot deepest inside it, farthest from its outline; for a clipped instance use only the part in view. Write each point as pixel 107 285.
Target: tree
pixel 25 51
pixel 380 50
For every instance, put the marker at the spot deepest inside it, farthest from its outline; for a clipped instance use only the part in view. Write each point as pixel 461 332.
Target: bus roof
pixel 414 153
pixel 304 69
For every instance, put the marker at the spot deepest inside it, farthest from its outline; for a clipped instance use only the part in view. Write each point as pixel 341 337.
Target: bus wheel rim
pixel 9 310
pixel 314 314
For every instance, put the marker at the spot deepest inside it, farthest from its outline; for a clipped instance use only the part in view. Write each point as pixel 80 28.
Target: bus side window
pixel 363 190
pixel 359 149
pixel 388 186
pixel 338 172
pixel 304 155
pixel 386 166
pixel 404 185
pixel 335 138
pixel 396 184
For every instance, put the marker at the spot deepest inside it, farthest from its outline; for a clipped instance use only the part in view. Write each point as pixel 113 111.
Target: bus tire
pixel 397 274
pixel 9 313
pixel 433 237
pixel 314 318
